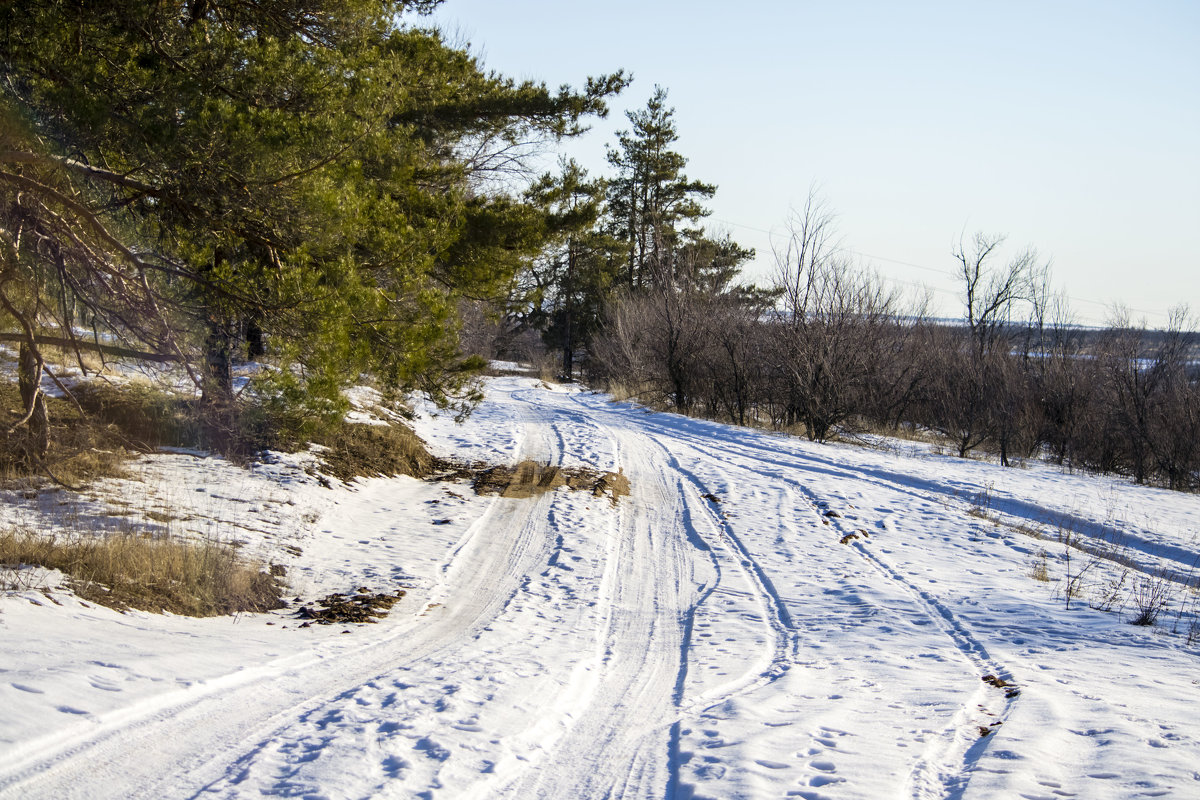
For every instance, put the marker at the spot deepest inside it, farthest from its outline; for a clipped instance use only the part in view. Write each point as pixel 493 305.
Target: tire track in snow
pixel 616 748
pixel 620 747
pixel 785 639
pixel 207 736
pixel 729 554
pixel 169 742
pixel 544 710
pixel 1179 560
pixel 783 633
pixel 943 770
pixel 533 748
pixel 575 447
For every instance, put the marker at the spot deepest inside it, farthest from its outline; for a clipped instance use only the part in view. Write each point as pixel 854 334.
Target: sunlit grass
pixel 151 573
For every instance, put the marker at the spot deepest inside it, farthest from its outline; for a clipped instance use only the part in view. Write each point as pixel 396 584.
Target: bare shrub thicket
pixel 1151 403
pixel 835 346
pixel 831 350
pixel 835 328
pixel 685 350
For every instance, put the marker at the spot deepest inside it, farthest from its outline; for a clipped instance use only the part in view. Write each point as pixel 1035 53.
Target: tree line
pixel 329 187
pixel 828 348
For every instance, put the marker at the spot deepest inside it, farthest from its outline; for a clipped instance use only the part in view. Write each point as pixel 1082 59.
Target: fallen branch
pixel 95 347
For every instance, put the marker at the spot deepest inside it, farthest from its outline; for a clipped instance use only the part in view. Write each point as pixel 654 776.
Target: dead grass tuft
pixel 526 479
pixel 1040 570
pixel 358 450
pixel 614 484
pixel 158 574
pixel 83 447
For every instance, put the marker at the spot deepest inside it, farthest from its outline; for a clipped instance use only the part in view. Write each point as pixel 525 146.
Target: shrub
pixel 1151 595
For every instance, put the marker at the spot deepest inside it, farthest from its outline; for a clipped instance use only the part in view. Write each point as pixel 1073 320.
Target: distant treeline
pixel 834 353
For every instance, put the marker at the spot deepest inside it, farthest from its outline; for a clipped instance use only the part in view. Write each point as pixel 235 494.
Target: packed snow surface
pixel 761 617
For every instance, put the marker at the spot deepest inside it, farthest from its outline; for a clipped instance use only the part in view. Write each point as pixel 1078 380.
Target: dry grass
pixel 128 570
pixel 1040 570
pixel 529 478
pixel 355 450
pixel 909 433
pixel 64 361
pixel 145 417
pixel 112 422
pixel 619 390
pixel 82 447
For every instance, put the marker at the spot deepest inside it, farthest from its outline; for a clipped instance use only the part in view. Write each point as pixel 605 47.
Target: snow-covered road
pixel 761 617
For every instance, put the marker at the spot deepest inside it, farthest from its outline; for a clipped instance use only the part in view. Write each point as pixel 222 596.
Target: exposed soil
pixel 530 478
pixel 340 608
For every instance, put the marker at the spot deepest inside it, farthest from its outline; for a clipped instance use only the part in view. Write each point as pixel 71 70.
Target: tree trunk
pixel 255 347
pixel 29 376
pixel 569 316
pixel 217 411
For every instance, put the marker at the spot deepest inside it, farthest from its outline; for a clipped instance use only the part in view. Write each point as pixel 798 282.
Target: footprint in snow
pixel 711 769
pixel 808 795
pixel 432 749
pixel 393 766
pixel 468 726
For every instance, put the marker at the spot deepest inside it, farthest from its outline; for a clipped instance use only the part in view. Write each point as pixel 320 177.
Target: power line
pixel 942 272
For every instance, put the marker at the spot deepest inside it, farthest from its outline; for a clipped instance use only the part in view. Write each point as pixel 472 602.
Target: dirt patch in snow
pixel 340 608
pixel 531 478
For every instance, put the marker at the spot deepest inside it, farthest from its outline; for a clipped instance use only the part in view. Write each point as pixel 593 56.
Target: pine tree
pixel 291 170
pixel 651 199
pixel 579 265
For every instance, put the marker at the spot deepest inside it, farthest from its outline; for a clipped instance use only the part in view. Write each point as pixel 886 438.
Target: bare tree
pixel 832 324
pixel 991 392
pixel 990 293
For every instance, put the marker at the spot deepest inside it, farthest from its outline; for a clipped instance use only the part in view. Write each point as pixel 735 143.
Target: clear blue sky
pixel 1070 126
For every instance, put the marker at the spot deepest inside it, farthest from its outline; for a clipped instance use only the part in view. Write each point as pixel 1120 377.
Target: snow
pixel 762 617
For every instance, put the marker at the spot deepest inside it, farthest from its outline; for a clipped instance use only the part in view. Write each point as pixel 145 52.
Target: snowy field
pixel 762 617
